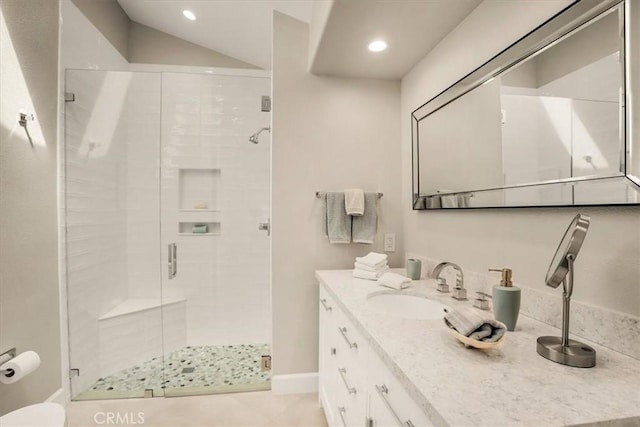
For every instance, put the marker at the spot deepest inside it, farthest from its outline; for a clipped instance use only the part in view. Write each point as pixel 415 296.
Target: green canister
pixel 506 300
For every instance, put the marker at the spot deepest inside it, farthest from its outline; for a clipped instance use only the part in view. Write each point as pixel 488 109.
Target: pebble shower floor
pixel 190 370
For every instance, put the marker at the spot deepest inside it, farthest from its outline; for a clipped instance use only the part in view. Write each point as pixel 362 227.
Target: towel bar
pixel 319 194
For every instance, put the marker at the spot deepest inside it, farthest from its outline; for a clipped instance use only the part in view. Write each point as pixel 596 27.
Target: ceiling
pixel 242 29
pixel 411 29
pixel 237 28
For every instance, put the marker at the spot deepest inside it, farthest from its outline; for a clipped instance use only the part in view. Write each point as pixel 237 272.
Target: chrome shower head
pixel 254 138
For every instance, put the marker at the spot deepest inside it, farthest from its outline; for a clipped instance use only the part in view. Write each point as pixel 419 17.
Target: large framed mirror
pixel 547 122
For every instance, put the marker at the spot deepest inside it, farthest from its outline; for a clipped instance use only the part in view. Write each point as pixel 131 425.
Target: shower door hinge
pixel 74 372
pixel 69 97
pixel 266 103
pixel 265 363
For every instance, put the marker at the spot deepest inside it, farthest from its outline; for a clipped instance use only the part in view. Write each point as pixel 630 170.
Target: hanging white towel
pixel 354 201
pixel 373 259
pixel 338 223
pixel 394 280
pixel 364 227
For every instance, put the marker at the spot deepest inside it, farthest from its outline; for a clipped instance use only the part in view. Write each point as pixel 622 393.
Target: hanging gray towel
pixel 365 226
pixel 337 222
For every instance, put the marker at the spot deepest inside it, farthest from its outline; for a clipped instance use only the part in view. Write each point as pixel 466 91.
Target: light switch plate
pixel 390 242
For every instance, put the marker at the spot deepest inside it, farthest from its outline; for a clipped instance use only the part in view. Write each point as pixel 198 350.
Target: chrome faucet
pixel 459 292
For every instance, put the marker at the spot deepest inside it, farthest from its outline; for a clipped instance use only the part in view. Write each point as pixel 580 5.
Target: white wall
pixel 83 46
pixel 328 134
pixel 608 272
pixel 29 309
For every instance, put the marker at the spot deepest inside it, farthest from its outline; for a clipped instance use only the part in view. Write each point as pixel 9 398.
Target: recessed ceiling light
pixel 189 15
pixel 377 45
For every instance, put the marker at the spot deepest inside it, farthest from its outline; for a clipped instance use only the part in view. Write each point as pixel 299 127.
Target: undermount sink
pixel 406 305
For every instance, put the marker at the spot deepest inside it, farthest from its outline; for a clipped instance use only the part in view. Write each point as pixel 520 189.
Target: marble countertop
pixel 510 385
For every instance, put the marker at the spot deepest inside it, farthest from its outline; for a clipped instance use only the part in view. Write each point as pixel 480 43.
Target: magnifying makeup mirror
pixel 561 349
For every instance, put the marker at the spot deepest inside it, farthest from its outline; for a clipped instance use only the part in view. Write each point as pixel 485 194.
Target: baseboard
pixel 59 396
pixel 295 383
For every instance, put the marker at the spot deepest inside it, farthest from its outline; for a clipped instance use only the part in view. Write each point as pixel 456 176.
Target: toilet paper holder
pixel 4 358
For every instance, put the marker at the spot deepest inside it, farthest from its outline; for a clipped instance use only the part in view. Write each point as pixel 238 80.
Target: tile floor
pixel 255 409
pixel 190 370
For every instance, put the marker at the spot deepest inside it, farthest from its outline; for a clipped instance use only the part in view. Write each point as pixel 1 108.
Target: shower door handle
pixel 173 260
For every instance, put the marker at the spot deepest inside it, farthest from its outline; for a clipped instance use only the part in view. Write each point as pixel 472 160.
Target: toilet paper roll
pixel 21 365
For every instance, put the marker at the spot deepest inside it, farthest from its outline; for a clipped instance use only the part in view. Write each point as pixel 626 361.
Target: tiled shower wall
pixel 123 199
pixel 143 186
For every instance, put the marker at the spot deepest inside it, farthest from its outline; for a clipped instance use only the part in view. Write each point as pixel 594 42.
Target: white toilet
pixel 39 415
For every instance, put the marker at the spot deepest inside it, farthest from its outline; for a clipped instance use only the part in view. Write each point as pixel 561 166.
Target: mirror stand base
pixel 574 354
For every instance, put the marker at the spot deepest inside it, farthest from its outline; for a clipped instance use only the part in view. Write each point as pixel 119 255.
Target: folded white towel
pixel 369 275
pixel 366 267
pixel 472 323
pixel 394 280
pixel 373 259
pixel 354 201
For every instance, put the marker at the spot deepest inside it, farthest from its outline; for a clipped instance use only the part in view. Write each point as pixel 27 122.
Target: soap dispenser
pixel 506 300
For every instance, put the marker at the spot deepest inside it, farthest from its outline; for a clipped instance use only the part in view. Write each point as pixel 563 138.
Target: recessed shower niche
pixel 198 190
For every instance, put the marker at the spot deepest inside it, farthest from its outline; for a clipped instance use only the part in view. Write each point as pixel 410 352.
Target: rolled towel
pixel 199 229
pixel 366 267
pixel 472 323
pixel 373 259
pixel 369 275
pixel 354 201
pixel 449 201
pixel 394 280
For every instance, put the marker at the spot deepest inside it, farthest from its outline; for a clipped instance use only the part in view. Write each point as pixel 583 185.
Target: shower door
pixel 167 272
pixel 215 192
pixel 110 189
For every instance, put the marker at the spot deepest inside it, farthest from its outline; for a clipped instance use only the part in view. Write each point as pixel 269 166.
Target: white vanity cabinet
pixel 342 385
pixel 355 387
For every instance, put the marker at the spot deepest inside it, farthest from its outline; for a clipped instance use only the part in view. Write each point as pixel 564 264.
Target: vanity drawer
pixel 351 401
pixel 351 344
pixel 390 403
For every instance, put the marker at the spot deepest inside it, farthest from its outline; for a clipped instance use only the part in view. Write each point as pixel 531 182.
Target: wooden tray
pixel 468 342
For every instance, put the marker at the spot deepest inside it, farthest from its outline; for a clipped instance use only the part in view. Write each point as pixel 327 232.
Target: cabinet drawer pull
pixel 341 412
pixel 383 391
pixel 343 371
pixel 323 301
pixel 343 331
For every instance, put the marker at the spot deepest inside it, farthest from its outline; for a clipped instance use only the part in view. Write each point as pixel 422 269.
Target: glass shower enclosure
pixel 167 272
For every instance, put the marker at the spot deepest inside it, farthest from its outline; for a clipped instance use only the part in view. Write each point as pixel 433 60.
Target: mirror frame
pixel 546 34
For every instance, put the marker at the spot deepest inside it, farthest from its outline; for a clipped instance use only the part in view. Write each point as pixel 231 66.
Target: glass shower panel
pixel 112 220
pixel 215 190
